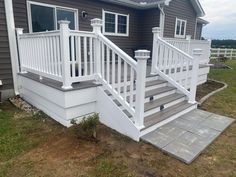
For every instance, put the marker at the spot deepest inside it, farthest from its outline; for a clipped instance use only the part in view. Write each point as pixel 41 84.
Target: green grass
pixel 225 101
pixel 19 133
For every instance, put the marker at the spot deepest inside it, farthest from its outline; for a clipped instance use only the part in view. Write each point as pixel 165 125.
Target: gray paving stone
pixel 205 132
pixel 183 124
pixel 186 147
pixel 217 122
pixel 163 136
pixel 186 137
pixel 196 116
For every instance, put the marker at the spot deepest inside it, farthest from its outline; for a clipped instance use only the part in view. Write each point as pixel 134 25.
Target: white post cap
pixel 64 22
pixel 142 54
pixel 188 37
pixel 156 30
pixel 19 30
pixel 96 22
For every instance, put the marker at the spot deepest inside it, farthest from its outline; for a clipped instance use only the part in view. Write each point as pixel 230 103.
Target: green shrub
pixel 87 127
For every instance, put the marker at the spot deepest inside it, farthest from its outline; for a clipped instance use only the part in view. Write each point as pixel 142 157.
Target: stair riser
pixel 156 110
pixel 155 86
pixel 152 78
pixel 154 127
pixel 155 97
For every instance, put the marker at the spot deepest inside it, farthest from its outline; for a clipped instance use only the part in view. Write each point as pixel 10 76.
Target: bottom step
pixel 156 120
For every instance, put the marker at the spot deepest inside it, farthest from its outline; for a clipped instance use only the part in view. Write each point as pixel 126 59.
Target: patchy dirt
pixel 207 88
pixel 61 153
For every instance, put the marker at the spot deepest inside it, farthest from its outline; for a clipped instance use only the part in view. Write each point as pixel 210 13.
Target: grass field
pixel 36 146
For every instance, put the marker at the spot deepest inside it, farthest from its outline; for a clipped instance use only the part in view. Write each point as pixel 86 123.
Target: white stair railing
pixel 176 66
pixel 120 74
pixel 188 45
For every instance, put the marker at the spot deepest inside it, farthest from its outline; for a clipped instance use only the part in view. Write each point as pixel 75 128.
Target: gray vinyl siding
pixel 148 19
pixel 94 10
pixel 199 31
pixel 5 59
pixel 182 9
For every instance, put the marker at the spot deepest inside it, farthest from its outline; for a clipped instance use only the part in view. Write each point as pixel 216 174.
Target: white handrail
pixel 120 52
pixel 175 65
pixel 175 48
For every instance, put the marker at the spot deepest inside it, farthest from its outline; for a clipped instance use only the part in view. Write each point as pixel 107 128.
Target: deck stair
pixel 163 103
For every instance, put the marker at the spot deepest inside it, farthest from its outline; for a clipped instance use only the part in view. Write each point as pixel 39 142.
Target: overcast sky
pixel 222 17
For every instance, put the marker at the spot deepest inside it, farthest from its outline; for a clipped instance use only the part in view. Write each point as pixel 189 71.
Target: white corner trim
pixel 12 42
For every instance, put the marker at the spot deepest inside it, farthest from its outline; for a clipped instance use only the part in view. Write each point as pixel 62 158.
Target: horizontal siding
pixel 182 9
pixel 199 31
pixel 148 20
pixel 5 59
pixel 94 10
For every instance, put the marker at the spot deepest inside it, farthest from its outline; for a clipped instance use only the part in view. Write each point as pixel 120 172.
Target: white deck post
pixel 188 38
pixel 156 33
pixel 65 53
pixel 97 28
pixel 19 31
pixel 194 79
pixel 142 56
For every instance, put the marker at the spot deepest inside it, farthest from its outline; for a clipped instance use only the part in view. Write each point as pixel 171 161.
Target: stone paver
pixel 164 135
pixel 186 137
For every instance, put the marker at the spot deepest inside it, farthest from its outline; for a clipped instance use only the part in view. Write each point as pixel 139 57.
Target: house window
pixel 45 17
pixel 180 28
pixel 115 24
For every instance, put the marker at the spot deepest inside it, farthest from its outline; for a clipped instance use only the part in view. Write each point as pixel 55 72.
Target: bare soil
pixel 207 88
pixel 61 153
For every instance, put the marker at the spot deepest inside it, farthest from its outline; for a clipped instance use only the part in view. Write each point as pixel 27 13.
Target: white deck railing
pixel 188 45
pixel 176 65
pixel 228 53
pixel 63 55
pixel 72 56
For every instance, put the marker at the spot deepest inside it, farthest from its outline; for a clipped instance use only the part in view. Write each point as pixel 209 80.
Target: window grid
pixel 121 24
pixel 180 28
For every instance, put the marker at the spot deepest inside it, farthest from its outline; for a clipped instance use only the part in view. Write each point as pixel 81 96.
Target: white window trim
pixel 55 15
pixel 116 24
pixel 181 21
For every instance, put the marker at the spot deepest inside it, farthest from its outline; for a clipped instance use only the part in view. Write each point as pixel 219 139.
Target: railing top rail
pixel 125 56
pixel 185 40
pixel 40 34
pixel 175 48
pixel 76 32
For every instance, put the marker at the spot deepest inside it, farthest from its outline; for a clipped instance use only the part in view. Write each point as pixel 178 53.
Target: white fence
pixel 228 53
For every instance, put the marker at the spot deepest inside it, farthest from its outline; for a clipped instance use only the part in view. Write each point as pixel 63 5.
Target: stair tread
pixel 162 101
pixel 158 91
pixel 155 82
pixel 165 114
pixel 148 84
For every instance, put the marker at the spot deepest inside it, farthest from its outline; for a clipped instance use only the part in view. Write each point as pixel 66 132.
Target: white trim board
pixel 12 42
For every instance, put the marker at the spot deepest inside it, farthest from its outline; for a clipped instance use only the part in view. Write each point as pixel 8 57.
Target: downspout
pixel 12 42
pixel 162 19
